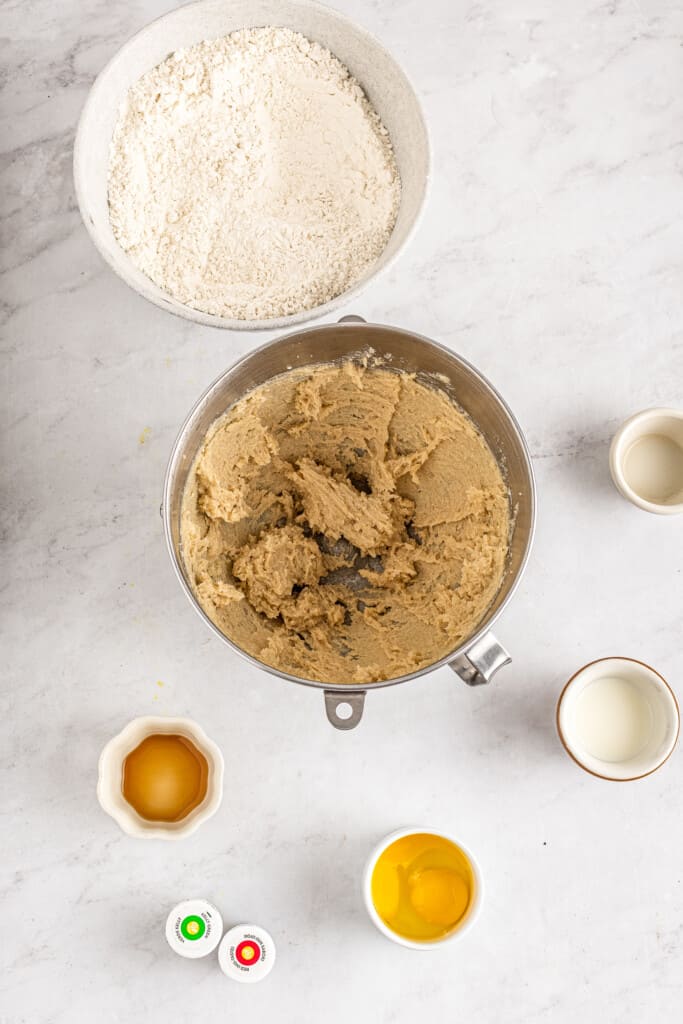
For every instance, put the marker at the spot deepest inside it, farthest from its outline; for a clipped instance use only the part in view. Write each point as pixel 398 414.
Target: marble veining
pixel 551 255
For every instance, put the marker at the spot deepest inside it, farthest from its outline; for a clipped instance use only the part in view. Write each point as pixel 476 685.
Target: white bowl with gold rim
pixel 618 719
pixel 110 777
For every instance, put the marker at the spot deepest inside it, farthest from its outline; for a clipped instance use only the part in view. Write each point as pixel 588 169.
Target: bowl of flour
pixel 251 163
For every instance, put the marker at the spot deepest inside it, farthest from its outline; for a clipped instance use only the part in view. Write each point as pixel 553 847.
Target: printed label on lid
pixel 193 928
pixel 246 953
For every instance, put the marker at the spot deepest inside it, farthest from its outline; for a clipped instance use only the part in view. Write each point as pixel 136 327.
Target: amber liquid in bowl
pixel 165 777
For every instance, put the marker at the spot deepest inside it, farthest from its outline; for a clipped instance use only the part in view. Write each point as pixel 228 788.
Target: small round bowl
pixel 471 914
pixel 110 778
pixel 384 82
pixel 665 726
pixel 662 427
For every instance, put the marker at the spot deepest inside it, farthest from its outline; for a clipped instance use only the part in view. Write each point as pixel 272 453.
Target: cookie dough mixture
pixel 345 524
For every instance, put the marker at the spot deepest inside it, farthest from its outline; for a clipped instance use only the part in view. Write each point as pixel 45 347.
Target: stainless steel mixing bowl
pixel 474 661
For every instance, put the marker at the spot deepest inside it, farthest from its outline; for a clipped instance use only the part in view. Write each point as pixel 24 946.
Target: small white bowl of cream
pixel 618 719
pixel 646 460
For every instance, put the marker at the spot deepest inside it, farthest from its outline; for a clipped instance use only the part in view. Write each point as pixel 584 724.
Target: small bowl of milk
pixel 618 719
pixel 646 460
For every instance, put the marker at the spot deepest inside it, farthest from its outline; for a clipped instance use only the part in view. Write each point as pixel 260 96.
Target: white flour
pixel 249 176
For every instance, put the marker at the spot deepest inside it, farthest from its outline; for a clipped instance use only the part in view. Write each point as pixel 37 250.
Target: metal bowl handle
pixel 344 710
pixel 481 661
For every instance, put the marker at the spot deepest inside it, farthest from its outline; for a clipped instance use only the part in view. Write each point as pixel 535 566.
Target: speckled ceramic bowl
pixel 385 83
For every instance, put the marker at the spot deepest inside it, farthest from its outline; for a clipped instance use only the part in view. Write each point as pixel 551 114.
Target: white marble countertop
pixel 550 255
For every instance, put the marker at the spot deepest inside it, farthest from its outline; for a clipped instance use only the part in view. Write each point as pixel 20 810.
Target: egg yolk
pixel 422 886
pixel 439 895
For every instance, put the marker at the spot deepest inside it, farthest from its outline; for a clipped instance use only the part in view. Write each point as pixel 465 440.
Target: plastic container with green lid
pixel 194 928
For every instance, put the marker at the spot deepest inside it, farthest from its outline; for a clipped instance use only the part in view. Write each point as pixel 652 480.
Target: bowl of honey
pixel 422 888
pixel 160 777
